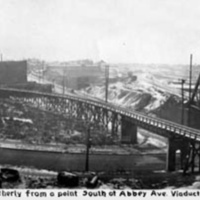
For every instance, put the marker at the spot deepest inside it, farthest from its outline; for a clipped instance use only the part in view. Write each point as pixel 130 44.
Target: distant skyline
pixel 116 31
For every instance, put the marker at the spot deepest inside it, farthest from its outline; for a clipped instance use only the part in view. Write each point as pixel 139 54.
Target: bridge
pixel 116 119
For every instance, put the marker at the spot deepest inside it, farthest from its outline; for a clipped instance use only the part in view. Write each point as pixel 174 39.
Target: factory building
pixel 75 76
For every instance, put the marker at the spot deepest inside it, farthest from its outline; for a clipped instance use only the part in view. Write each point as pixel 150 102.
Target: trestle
pixel 111 121
pixel 189 152
pixel 193 158
pixel 174 145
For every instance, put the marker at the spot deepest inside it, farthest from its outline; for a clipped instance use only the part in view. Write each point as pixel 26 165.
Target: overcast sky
pixel 144 31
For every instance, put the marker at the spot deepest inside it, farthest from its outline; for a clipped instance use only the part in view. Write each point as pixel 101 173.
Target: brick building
pixel 13 72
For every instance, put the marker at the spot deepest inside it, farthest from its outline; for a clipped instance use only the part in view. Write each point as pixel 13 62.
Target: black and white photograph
pixel 100 94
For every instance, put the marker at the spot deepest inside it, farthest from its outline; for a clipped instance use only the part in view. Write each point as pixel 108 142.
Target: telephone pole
pixel 182 94
pixel 106 82
pixel 63 81
pixel 43 68
pixel 190 91
pixel 88 145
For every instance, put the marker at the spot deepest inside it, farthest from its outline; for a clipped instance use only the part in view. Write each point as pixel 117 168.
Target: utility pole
pixel 66 78
pixel 190 91
pixel 1 57
pixel 106 82
pixel 182 94
pixel 88 145
pixel 43 71
pixel 63 81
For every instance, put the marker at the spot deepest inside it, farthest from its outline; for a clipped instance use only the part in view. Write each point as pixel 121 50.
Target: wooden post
pixel 193 158
pixel 106 82
pixel 182 92
pixel 88 144
pixel 190 91
pixel 63 81
pixel 199 161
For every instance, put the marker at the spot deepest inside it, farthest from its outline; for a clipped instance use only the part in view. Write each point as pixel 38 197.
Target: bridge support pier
pixel 128 131
pixel 175 144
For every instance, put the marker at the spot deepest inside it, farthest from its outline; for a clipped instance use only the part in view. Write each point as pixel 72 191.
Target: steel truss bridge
pixel 117 120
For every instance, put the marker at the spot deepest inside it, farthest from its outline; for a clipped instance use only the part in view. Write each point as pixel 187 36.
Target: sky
pixel 128 31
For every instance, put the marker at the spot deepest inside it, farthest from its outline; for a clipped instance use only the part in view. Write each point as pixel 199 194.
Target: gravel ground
pixel 34 178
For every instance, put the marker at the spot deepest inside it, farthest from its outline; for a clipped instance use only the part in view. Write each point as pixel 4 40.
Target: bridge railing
pixel 164 124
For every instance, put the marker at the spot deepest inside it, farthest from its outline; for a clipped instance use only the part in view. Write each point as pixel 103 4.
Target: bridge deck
pixel 143 119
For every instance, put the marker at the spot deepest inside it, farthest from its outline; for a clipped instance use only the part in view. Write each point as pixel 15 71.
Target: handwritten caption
pixel 98 193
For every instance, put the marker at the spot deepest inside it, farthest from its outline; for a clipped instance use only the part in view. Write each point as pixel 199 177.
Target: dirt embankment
pixel 170 110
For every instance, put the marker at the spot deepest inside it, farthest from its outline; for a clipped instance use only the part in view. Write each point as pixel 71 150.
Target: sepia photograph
pixel 100 94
